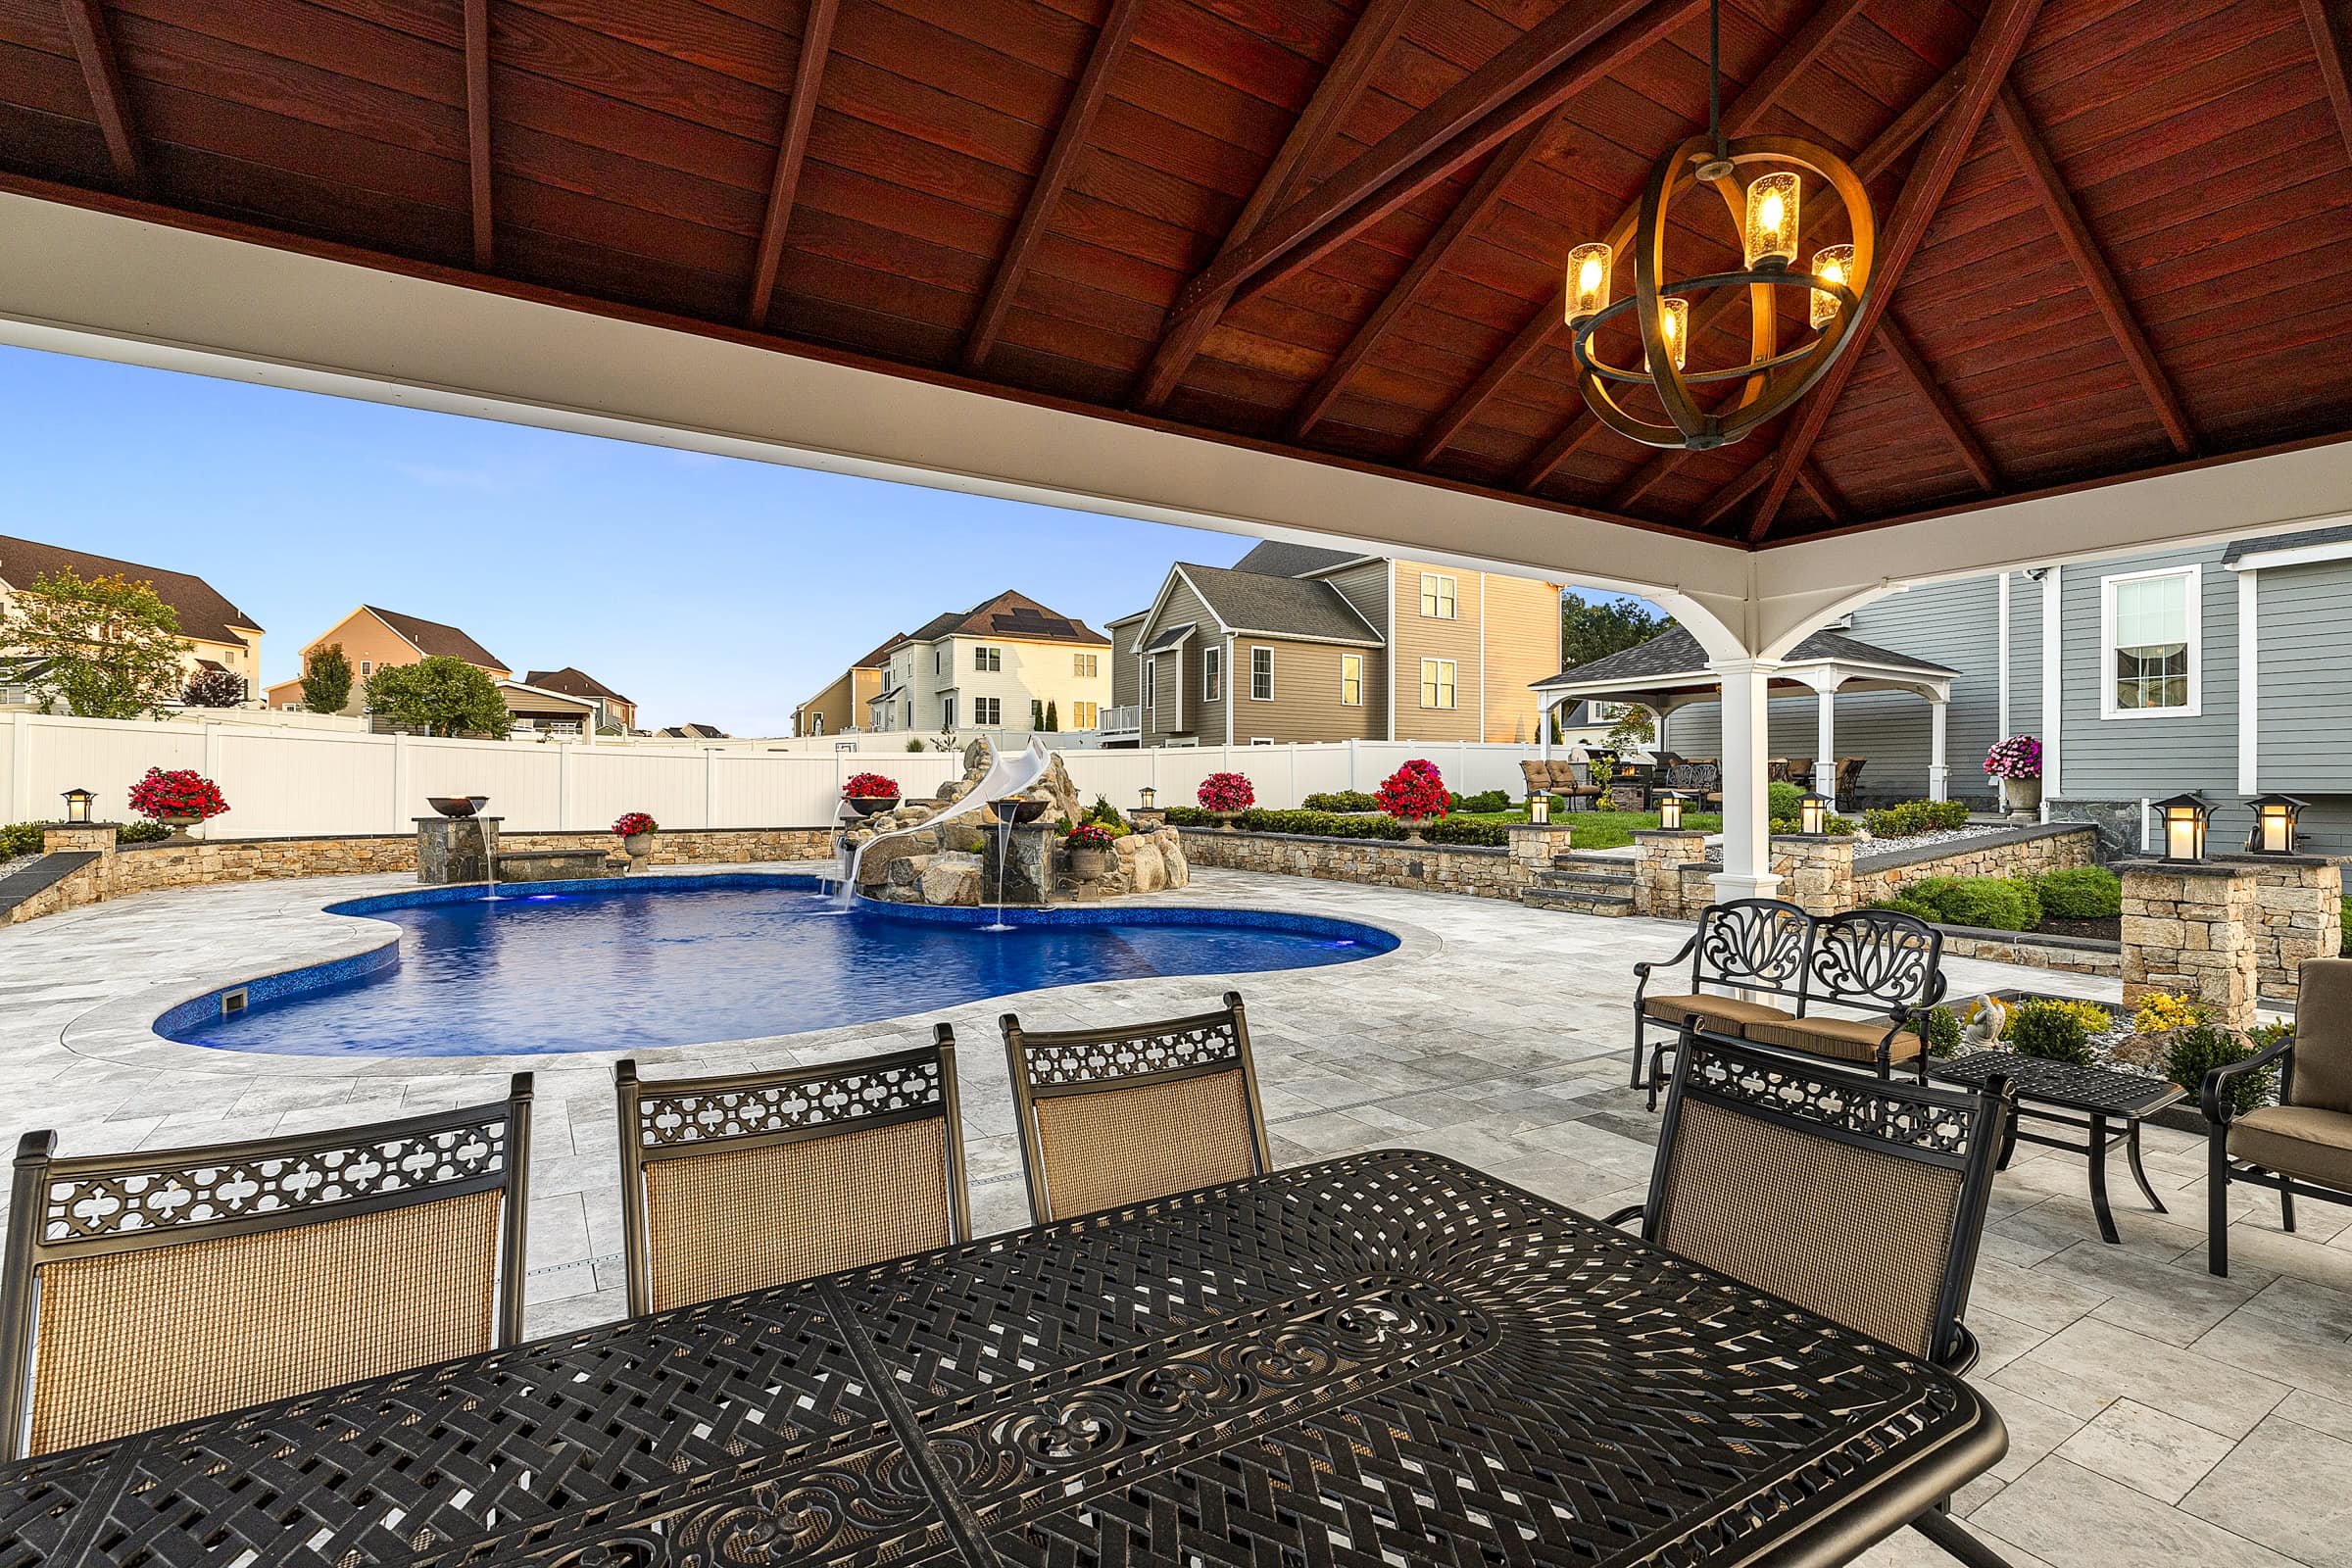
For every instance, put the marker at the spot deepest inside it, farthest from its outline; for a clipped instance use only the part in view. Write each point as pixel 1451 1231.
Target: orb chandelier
pixel 1765 214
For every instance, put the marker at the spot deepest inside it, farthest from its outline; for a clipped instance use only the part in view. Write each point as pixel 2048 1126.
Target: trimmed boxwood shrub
pixel 2079 893
pixel 1942 1031
pixel 1342 801
pixel 1782 798
pixel 2195 1051
pixel 141 833
pixel 1915 817
pixel 2051 1030
pixel 1325 825
pixel 1483 801
pixel 23 838
pixel 1991 903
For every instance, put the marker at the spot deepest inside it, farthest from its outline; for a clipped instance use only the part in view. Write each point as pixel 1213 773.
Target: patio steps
pixel 1583 884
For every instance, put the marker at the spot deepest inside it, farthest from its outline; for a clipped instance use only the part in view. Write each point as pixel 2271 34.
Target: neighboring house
pixel 998 666
pixel 613 711
pixel 375 639
pixel 844 706
pixel 1294 643
pixel 218 634
pixel 692 732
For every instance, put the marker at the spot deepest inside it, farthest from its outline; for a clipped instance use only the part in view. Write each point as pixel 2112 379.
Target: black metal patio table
pixel 1387 1359
pixel 2108 1108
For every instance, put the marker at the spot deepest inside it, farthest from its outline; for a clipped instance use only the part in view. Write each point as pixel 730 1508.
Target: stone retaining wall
pixel 1475 870
pixel 2075 956
pixel 1824 875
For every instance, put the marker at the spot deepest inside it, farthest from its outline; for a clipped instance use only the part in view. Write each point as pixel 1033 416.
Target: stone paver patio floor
pixel 2156 1414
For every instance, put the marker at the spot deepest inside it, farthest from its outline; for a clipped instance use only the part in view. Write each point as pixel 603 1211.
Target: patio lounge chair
pixel 1116 1116
pixel 168 1285
pixel 1849 778
pixel 2302 1146
pixel 1537 775
pixel 757 1179
pixel 1854 1196
pixel 1574 780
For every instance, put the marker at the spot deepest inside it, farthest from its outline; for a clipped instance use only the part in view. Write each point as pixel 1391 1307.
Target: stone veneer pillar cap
pixel 1668 832
pixel 2244 865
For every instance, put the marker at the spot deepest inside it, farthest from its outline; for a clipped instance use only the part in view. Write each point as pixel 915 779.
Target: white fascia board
pixel 2300 556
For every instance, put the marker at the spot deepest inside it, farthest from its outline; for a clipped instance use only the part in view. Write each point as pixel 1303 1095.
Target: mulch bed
pixel 2103 928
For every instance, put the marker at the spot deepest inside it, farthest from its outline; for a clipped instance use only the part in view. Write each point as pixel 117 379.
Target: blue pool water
pixel 688 960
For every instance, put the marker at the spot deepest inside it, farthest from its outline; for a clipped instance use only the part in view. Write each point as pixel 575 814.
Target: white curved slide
pixel 1005 775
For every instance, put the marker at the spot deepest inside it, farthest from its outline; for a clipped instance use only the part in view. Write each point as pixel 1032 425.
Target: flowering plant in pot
pixel 1089 844
pixel 869 793
pixel 2017 763
pixel 1415 795
pixel 636 830
pixel 1226 796
pixel 178 798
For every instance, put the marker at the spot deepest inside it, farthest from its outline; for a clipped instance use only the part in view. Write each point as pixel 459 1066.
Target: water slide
pixel 1005 775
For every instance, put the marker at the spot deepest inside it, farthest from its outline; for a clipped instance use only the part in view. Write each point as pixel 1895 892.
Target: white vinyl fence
pixel 290 781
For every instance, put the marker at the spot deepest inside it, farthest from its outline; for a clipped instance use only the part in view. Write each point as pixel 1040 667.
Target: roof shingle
pixel 202 611
pixel 1278 606
pixel 1675 654
pixel 431 637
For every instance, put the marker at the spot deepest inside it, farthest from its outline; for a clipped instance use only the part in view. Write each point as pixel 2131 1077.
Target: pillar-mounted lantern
pixel 78 806
pixel 1145 798
pixel 1670 812
pixel 2275 818
pixel 2185 818
pixel 1539 809
pixel 1813 813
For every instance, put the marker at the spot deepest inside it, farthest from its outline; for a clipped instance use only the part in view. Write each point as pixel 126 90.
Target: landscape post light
pixel 2186 817
pixel 78 806
pixel 1813 813
pixel 1145 798
pixel 1539 809
pixel 2274 824
pixel 1670 812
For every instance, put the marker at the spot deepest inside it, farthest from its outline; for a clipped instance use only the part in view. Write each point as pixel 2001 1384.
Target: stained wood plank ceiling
pixel 2118 232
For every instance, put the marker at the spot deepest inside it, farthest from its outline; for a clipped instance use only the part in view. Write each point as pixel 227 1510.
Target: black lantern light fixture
pixel 77 807
pixel 1813 813
pixel 2275 818
pixel 2185 818
pixel 1670 812
pixel 1838 281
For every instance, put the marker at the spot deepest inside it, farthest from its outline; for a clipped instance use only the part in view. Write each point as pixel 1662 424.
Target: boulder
pixel 908 869
pixel 1147 870
pixel 874 867
pixel 951 879
pixel 1172 855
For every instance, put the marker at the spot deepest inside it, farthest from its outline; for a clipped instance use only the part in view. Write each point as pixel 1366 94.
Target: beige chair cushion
pixel 1107 1148
pixel 1725 1015
pixel 2324 1035
pixel 1843 1039
pixel 2297 1140
pixel 1563 774
pixel 1538 777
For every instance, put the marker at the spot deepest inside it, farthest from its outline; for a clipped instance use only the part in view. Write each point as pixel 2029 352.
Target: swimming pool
pixel 630 964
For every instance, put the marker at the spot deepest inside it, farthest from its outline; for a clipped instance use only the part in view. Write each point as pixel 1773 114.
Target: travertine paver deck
pixel 2156 1415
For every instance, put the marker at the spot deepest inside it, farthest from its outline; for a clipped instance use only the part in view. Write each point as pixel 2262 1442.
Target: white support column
pixel 1825 742
pixel 1665 715
pixel 2054 687
pixel 1544 711
pixel 2249 684
pixel 1938 775
pixel 2003 612
pixel 1746 740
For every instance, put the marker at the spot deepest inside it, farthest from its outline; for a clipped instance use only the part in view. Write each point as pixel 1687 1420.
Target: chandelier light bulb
pixel 1589 280
pixel 1674 326
pixel 1835 263
pixel 1771 239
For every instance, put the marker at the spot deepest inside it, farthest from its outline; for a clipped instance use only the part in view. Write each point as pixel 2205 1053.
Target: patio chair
pixel 1115 1117
pixel 756 1178
pixel 1800 772
pixel 1856 1197
pixel 2302 1146
pixel 1879 958
pixel 1849 777
pixel 1742 945
pixel 1537 775
pixel 147 1289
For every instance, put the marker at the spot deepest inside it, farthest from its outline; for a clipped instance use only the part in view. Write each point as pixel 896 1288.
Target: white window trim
pixel 1212 674
pixel 2195 576
pixel 1263 740
pixel 1430 597
pixel 1253 657
pixel 1359 680
pixel 1429 678
pixel 1151 683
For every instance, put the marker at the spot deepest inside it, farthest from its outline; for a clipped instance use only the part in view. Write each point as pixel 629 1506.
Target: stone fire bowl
pixel 1022 810
pixel 457 805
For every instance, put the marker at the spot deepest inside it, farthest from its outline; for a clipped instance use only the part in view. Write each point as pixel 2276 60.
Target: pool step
pixel 1583 884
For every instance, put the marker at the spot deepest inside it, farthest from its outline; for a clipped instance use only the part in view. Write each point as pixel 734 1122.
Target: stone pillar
pixel 1027 875
pixel 2298 904
pixel 1658 860
pixel 455 849
pixel 1533 847
pixel 1746 740
pixel 1820 871
pixel 85 838
pixel 2193 929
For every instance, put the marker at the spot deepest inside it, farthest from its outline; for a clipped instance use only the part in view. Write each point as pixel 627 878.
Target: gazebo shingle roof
pixel 1674 654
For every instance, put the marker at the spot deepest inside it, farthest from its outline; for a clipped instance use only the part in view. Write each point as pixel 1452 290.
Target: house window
pixel 1261 674
pixel 1437 596
pixel 938 661
pixel 1437 683
pixel 816 723
pixel 910 713
pixel 988 712
pixel 2149 628
pixel 367 667
pixel 947 712
pixel 1150 688
pixel 1086 715
pixel 1212 674
pixel 1351 680
pixel 987 659
pixel 1083 665
pixel 1261 740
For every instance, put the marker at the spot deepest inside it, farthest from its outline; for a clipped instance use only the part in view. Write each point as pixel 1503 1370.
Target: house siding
pixel 1522 633
pixel 1126 680
pixel 1179 671
pixel 2126 759
pixel 1418 637
pixel 1306 705
pixel 1366 588
pixel 2304 710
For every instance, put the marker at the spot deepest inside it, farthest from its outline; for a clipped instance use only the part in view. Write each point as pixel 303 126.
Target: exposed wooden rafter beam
pixel 477 128
pixel 2033 156
pixel 2328 45
pixel 1999 37
pixel 1335 95
pixel 1069 140
pixel 94 49
pixel 807 74
pixel 1728 498
pixel 1568 50
pixel 1922 377
pixel 1816 484
pixel 1755 100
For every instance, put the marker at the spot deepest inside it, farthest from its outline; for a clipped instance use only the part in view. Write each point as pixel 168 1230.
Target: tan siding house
pixel 373 639
pixel 844 704
pixel 216 631
pixel 1300 697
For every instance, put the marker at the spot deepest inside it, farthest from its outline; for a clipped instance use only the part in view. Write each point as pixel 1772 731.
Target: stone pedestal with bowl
pixel 455 849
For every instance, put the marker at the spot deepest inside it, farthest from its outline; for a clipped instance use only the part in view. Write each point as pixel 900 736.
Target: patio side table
pixel 1387 1359
pixel 2105 1105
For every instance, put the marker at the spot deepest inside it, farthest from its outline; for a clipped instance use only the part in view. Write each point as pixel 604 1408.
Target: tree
pixel 214 688
pixel 1593 629
pixel 111 646
pixel 1053 719
pixel 439 696
pixel 1037 713
pixel 1634 727
pixel 325 679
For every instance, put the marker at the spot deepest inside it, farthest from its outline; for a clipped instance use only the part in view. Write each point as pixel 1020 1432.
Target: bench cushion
pixel 2297 1140
pixel 1728 1014
pixel 1843 1039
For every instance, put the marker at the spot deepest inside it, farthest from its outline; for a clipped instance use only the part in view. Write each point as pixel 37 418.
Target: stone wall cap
pixel 2248 857
pixel 2211 868
pixel 1946 849
pixel 1348 838
pixel 2037 939
pixel 1668 833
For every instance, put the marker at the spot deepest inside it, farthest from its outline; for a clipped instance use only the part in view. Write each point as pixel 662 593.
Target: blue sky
pixel 706 588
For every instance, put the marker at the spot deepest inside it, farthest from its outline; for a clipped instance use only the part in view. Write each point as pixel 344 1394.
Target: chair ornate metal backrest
pixel 1849 774
pixel 1751 945
pixel 173 1284
pixel 1116 1116
pixel 1877 958
pixel 1852 1197
pixel 741 1182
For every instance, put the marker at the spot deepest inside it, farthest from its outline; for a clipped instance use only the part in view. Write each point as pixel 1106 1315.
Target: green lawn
pixel 1597 830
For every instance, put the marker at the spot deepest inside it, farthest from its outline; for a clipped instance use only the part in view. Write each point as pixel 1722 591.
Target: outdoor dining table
pixel 1389 1358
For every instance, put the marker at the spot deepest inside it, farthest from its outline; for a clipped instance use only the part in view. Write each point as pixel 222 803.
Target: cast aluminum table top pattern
pixel 2063 1083
pixel 1387 1359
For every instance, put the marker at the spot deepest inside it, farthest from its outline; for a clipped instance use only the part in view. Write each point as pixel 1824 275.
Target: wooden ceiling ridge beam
pixel 792 150
pixel 476 24
pixel 1998 39
pixel 2328 45
pixel 1924 381
pixel 1757 98
pixel 1069 140
pixel 1550 62
pixel 2123 323
pixel 102 69
pixel 1342 83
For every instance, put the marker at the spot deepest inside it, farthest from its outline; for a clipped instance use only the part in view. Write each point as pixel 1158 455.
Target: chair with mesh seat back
pixel 1116 1116
pixel 1857 1198
pixel 2301 1146
pixel 758 1179
pixel 147 1289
